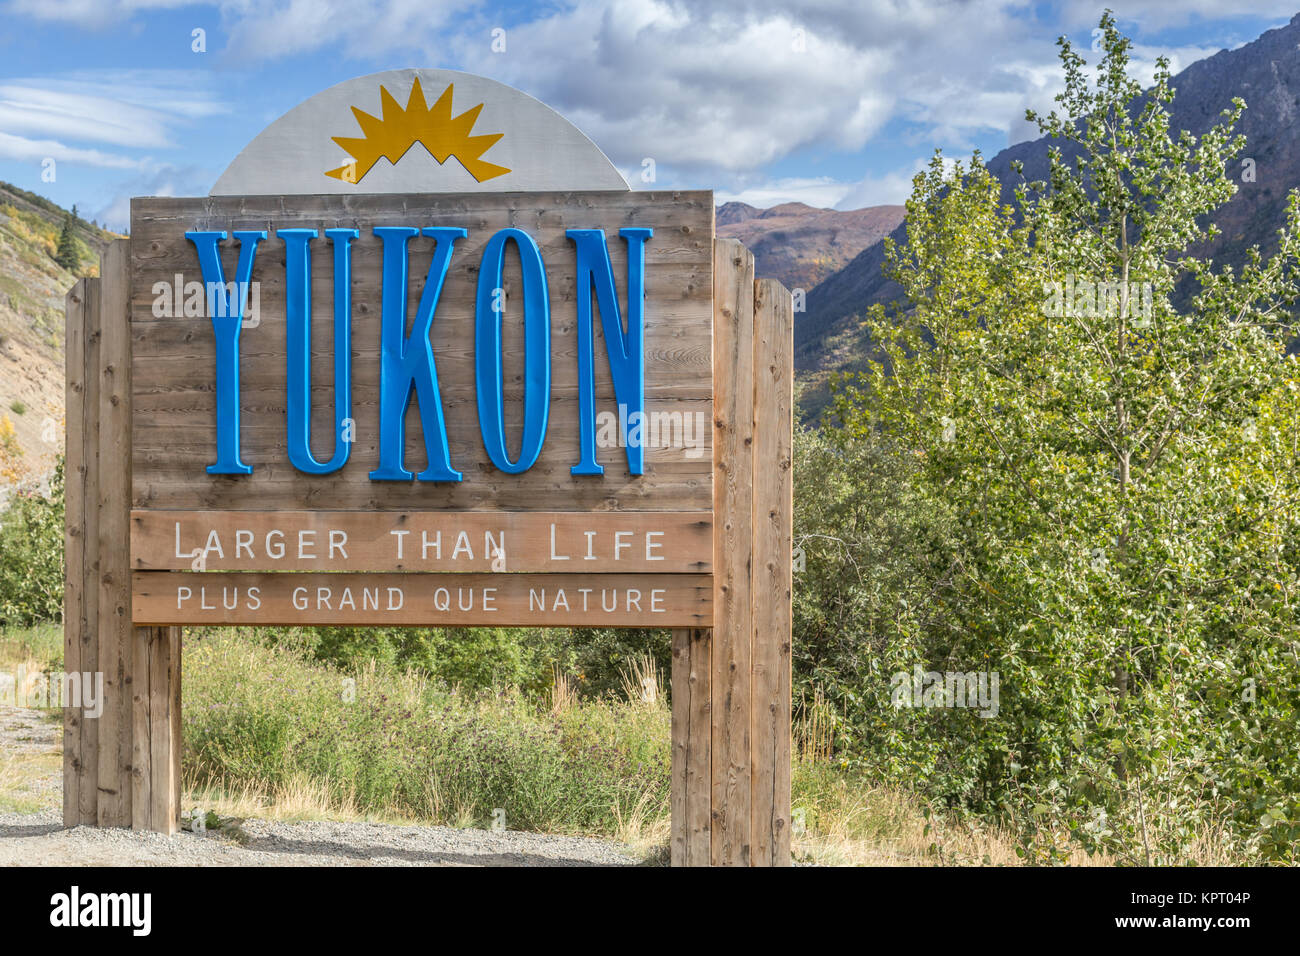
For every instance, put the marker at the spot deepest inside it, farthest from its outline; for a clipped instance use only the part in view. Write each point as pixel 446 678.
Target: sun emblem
pixel 432 126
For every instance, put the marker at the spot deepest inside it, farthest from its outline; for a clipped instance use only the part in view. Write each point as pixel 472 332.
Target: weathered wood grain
pixel 430 600
pixel 142 769
pixel 773 511
pixel 74 541
pixel 174 435
pixel 116 657
pixel 692 733
pixel 733 498
pixel 567 542
pixel 155 797
pixel 163 767
pixel 88 472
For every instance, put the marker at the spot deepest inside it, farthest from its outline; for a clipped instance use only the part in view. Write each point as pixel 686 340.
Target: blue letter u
pixel 297 282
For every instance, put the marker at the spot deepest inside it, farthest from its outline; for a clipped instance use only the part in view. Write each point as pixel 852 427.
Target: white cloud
pixel 363 28
pixel 891 189
pixel 131 108
pixel 37 150
pixel 712 90
pixel 888 189
pixel 105 119
pixel 89 12
pixel 822 193
pixel 1155 14
pixel 160 180
pixel 715 90
pixel 276 28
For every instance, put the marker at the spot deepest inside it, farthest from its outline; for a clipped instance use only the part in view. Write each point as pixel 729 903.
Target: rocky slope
pixel 32 289
pixel 801 245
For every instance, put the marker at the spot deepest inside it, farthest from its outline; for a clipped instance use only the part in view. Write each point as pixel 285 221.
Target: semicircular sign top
pixel 419 131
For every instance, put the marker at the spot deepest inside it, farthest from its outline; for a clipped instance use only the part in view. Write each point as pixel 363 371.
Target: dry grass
pixel 646 832
pixel 26 781
pixel 839 821
pixel 303 798
pixel 814 727
pixel 564 693
pixel 300 798
pixel 643 681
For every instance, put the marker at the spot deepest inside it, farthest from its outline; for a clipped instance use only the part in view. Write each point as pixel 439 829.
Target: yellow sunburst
pixel 433 127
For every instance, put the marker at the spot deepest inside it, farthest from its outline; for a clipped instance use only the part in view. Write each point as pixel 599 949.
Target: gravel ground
pixel 39 839
pixel 24 731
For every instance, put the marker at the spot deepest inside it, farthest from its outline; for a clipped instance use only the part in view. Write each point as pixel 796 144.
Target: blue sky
pixel 830 102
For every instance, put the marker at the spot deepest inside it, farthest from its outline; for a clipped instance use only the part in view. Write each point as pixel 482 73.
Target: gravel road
pixel 39 839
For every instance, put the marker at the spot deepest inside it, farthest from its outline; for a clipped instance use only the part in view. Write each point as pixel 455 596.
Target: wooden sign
pixel 421 358
pixel 567 373
pixel 389 600
pixel 499 541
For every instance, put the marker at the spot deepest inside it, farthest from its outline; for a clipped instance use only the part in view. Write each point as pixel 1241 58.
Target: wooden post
pixel 115 628
pixel 692 737
pixel 81 546
pixel 731 686
pixel 156 734
pixel 773 541
pixel 123 767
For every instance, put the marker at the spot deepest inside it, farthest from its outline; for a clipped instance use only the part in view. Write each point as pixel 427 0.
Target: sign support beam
pixel 731 684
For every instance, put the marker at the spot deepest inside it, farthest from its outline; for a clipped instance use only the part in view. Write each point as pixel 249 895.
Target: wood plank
pixel 87 784
pixel 773 511
pixel 733 378
pixel 143 643
pixel 665 542
pixel 692 731
pixel 116 658
pixel 176 639
pixel 74 539
pixel 677 799
pixel 699 780
pixel 156 764
pixel 175 354
pixel 430 600
pixel 164 728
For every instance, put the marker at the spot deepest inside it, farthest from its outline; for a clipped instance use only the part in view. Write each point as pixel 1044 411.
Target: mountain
pixel 1264 73
pixel 32 289
pixel 801 245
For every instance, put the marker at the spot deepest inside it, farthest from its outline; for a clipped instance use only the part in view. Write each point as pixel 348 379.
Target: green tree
pixel 66 254
pixel 1122 476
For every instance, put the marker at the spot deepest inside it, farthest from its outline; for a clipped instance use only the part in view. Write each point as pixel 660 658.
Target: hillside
pixel 32 289
pixel 801 245
pixel 1265 73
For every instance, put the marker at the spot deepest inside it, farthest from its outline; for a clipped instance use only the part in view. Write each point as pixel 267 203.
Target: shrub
pixel 391 742
pixel 31 556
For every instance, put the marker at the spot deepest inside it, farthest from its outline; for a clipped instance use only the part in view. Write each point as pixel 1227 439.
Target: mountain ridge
pixel 800 244
pixel 1265 73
